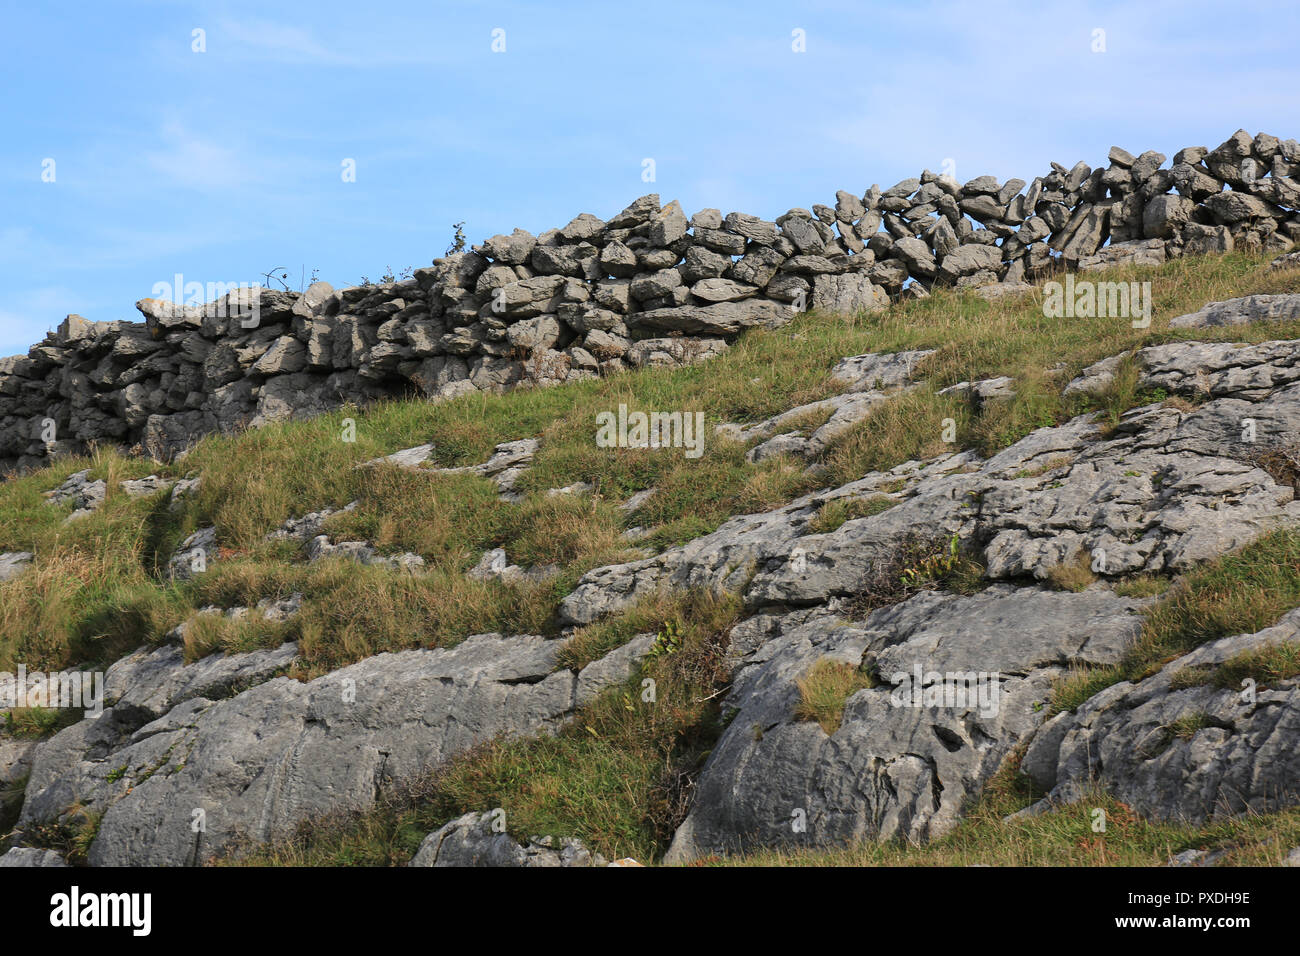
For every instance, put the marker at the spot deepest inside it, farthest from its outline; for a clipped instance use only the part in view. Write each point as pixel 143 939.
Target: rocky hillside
pixel 954 579
pixel 646 287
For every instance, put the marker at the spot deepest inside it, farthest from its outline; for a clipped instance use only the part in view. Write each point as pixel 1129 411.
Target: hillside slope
pixel 1090 529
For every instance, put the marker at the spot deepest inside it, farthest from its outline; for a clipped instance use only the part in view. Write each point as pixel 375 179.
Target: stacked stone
pixel 649 286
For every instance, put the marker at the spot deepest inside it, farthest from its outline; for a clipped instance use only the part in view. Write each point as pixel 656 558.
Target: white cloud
pixel 279 42
pixel 186 159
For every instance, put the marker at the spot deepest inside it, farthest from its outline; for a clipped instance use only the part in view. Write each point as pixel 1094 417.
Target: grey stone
pixel 758 266
pixel 722 319
pixel 968 260
pixel 892 769
pixel 849 293
pixel 618 260
pixel 1163 216
pixel 25 856
pixel 143 487
pixel 612 670
pixel 722 290
pixel 194 555
pixel 668 225
pixel 13 563
pixel 751 227
pixel 917 256
pixel 1200 240
pixel 581 227
pixel 1232 207
pixel 1239 760
pixel 1252 308
pixel 474 840
pixel 148 683
pixel 1140 252
pixel 673 352
pixel 514 249
pixel 638 212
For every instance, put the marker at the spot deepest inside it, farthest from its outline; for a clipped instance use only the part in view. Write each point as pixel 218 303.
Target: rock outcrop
pixel 1233 752
pixel 899 766
pixel 191 760
pixel 472 840
pixel 1169 489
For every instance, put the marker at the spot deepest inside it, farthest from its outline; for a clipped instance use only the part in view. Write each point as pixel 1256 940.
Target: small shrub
pixel 1280 460
pixel 916 564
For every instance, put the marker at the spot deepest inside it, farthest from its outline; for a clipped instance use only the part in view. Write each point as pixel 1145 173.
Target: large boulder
pixel 1181 745
pixel 959 681
pixel 849 293
pixel 1163 216
pixel 258 763
pixel 1281 307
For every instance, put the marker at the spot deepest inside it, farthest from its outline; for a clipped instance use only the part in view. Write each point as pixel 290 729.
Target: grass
pixel 1238 593
pixel 824 690
pixel 616 777
pixel 1266 666
pixel 96 589
pixel 1064 836
pixel 12 795
pixel 1186 726
pixel 658 613
pixel 619 777
pixel 70 835
pixel 1052 464
pixel 835 512
pixel 1073 575
pixel 1142 586
pixel 36 722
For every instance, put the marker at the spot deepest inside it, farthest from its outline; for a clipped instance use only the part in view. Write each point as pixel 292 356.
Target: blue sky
pixel 222 164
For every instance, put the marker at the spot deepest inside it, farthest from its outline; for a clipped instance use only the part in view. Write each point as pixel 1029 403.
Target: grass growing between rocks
pixel 70 836
pixel 824 690
pixel 1266 666
pixel 1063 836
pixel 916 564
pixel 835 512
pixel 654 613
pixel 1238 593
pixel 617 776
pixel 97 589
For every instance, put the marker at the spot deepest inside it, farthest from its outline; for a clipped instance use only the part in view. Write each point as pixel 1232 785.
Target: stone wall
pixel 647 287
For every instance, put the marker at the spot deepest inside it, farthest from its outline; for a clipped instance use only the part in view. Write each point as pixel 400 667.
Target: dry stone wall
pixel 647 287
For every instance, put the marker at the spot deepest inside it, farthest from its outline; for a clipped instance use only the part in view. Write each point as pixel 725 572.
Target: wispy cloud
pixel 264 39
pixel 196 162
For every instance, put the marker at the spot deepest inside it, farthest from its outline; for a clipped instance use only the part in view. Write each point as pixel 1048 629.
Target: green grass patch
pixel 835 512
pixel 824 690
pixel 97 589
pixel 1238 593
pixel 616 777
